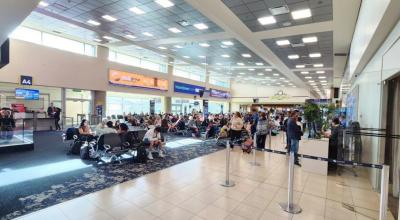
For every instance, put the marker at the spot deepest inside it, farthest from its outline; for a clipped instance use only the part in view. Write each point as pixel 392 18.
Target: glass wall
pixel 218 107
pixel 186 106
pixel 124 103
pixel 220 81
pixel 78 104
pixel 50 40
pixel 189 71
pixel 137 61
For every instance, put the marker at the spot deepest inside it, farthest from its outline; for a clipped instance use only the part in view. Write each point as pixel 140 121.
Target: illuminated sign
pixel 187 88
pixel 219 94
pixel 121 78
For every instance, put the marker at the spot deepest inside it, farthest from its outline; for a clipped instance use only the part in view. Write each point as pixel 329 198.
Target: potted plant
pixel 312 113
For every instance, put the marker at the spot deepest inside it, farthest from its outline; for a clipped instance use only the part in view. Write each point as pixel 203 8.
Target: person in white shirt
pixel 153 138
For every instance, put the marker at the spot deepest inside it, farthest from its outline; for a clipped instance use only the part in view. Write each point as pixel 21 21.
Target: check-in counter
pixel 36 120
pixel 318 148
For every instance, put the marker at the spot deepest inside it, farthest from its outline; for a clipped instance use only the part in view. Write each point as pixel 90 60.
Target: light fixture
pixel 246 55
pixel 225 55
pixel 314 55
pixel 162 48
pixel 223 46
pixel 43 4
pixel 323 81
pixel 130 36
pixel 204 64
pixel 204 44
pixel 200 26
pixel 313 84
pixel 187 57
pixel 165 3
pixel 178 46
pixel 267 20
pixel 321 77
pixel 320 72
pixel 268 69
pixel 260 74
pixel 219 64
pixel 308 77
pixel 311 81
pixel 242 73
pixel 240 64
pixel 300 14
pixel 324 84
pixel 227 43
pixel 201 56
pixel 300 66
pixel 107 37
pixel 93 22
pixel 312 39
pixel 282 42
pixel 282 78
pixel 174 30
pixel 97 40
pixel 293 56
pixel 259 64
pixel 318 65
pixel 304 72
pixel 136 10
pixel 109 18
pixel 275 74
pixel 148 34
pixel 251 69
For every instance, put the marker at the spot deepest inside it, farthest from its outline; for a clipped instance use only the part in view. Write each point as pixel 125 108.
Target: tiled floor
pixel 192 190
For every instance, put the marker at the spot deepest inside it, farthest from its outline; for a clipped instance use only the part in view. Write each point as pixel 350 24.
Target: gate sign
pixel 26 80
pixel 187 88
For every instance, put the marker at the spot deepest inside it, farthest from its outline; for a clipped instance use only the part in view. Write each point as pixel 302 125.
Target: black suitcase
pixel 141 156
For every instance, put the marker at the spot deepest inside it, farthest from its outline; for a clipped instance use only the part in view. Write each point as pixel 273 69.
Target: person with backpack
pixel 262 130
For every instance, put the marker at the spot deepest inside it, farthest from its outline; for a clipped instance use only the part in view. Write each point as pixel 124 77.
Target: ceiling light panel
pixel 165 3
pixel 282 42
pixel 267 20
pixel 301 14
pixel 200 26
pixel 109 18
pixel 137 10
pixel 93 22
pixel 174 30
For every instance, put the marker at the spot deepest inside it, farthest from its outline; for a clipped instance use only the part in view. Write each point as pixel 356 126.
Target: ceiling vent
pixel 183 23
pixel 298 45
pixel 279 10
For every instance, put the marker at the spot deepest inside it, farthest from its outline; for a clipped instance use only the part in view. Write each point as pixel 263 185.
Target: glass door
pixel 78 105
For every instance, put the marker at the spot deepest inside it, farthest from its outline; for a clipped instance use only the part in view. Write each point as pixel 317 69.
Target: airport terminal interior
pixel 199 109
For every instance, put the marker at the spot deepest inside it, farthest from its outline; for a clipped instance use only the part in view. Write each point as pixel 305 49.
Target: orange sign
pixel 137 80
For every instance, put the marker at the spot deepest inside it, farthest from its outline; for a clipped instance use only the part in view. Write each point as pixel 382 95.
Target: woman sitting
pixel 154 140
pixel 85 130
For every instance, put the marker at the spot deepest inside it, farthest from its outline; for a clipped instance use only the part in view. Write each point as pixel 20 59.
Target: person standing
pixel 236 127
pixel 294 134
pixel 50 110
pixel 56 116
pixel 262 130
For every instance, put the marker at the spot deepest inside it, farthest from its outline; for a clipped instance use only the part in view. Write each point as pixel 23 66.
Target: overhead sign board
pixel 26 80
pixel 187 88
pixel 121 78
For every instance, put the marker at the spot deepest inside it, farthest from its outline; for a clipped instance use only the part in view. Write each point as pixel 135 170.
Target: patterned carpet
pixel 21 198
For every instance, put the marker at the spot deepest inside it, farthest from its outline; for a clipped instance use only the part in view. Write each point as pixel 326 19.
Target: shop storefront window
pixel 125 103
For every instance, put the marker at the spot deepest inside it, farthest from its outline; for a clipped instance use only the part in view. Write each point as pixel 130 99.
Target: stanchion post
pixel 383 204
pixel 254 162
pixel 289 206
pixel 228 182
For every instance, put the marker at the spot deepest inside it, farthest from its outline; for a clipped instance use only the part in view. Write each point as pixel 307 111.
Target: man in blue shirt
pixel 294 133
pixel 254 121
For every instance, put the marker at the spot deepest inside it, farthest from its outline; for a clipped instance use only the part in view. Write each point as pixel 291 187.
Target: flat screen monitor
pixel 27 94
pixel 4 53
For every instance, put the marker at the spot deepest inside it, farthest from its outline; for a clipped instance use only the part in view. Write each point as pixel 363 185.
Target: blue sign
pixel 187 88
pixel 26 80
pixel 27 94
pixel 219 94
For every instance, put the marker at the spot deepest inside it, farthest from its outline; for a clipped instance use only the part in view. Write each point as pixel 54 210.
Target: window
pixel 189 71
pixel 219 81
pixel 120 103
pixel 50 40
pixel 136 61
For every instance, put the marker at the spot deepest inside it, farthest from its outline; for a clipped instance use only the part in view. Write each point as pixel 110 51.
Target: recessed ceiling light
pixel 136 10
pixel 313 84
pixel 204 44
pixel 278 83
pixel 93 22
pixel 304 72
pixel 107 37
pixel 200 26
pixel 318 65
pixel 320 72
pixel 201 56
pixel 300 66
pixel 267 20
pixel 225 55
pixel 308 77
pixel 282 42
pixel 165 3
pixel 43 4
pixel 275 74
pixel 259 64
pixel 268 69
pixel 242 73
pixel 311 81
pixel 260 74
pixel 97 40
pixel 223 46
pixel 240 64
pixel 312 39
pixel 174 30
pixel 187 57
pixel 293 56
pixel 314 55
pixel 281 78
pixel 178 46
pixel 162 48
pixel 227 43
pixel 246 55
pixel 109 18
pixel 219 64
pixel 300 14
pixel 204 64
pixel 130 36
pixel 323 81
pixel 163 55
pixel 321 77
pixel 148 34
pixel 251 69
pixel 324 84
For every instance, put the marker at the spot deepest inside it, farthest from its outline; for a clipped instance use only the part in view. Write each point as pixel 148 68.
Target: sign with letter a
pixel 26 80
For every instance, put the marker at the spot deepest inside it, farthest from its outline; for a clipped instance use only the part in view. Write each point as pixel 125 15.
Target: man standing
pixel 294 134
pixel 50 111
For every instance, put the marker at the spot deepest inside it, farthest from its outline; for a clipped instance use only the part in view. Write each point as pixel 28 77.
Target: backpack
pixel 84 151
pixel 141 156
pixel 76 147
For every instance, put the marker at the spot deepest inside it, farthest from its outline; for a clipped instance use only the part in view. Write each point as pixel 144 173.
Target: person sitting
pixel 164 124
pixel 153 139
pixel 100 127
pixel 85 131
pixel 7 125
pixel 224 132
pixel 192 126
